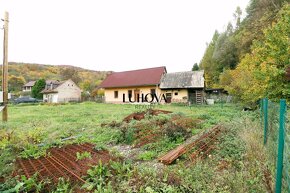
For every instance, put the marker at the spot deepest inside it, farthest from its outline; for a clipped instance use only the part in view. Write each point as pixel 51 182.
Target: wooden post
pixel 5 69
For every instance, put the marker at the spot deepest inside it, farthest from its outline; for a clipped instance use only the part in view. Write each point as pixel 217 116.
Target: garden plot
pixel 73 161
pixel 142 128
pixel 143 133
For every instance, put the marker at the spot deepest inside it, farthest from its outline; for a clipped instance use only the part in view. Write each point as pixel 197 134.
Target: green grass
pixel 50 123
pixel 31 125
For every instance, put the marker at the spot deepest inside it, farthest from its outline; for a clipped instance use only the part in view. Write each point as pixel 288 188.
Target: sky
pixel 114 35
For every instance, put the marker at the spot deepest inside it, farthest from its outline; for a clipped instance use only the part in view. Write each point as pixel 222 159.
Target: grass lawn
pixel 31 125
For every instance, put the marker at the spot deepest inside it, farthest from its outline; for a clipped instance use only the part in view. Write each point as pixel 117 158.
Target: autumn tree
pixel 237 16
pixel 261 73
pixel 70 73
pixel 208 64
pixel 237 47
pixel 15 83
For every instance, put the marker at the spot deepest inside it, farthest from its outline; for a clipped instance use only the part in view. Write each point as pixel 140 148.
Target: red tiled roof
pixel 142 77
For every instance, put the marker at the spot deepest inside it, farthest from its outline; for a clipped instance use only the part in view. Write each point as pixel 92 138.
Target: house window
pixel 115 94
pixel 176 93
pixel 153 91
pixel 129 93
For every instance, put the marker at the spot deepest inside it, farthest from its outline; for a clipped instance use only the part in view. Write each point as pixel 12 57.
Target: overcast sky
pixel 114 35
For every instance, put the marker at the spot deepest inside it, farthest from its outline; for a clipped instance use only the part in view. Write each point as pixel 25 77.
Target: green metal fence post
pixel 265 109
pixel 261 112
pixel 280 146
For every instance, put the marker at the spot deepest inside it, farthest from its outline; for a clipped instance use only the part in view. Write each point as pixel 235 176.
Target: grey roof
pixel 30 83
pixel 189 79
pixel 51 86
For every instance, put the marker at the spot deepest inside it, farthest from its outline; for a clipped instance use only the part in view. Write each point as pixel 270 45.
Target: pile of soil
pixel 186 122
pixel 141 115
pixel 151 131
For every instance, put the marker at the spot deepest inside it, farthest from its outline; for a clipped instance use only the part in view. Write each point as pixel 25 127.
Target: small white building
pixel 28 86
pixel 59 92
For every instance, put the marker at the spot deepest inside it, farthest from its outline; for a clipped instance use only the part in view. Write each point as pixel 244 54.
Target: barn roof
pixel 142 77
pixel 189 79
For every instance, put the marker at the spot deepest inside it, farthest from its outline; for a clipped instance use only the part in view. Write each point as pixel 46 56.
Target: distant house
pixel 28 86
pixel 132 83
pixel 64 91
pixel 183 87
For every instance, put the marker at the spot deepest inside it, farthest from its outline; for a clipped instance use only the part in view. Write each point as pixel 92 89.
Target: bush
pixel 175 132
pixel 37 88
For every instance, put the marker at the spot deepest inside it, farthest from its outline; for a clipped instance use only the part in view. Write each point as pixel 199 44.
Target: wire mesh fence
pixel 275 124
pixel 287 151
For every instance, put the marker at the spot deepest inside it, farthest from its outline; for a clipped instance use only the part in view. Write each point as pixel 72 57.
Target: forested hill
pixel 20 73
pixel 250 57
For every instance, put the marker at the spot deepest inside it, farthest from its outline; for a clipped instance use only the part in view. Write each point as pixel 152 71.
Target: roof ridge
pixel 140 69
pixel 185 71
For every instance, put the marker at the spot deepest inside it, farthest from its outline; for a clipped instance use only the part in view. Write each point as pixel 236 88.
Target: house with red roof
pixel 132 83
pixel 179 87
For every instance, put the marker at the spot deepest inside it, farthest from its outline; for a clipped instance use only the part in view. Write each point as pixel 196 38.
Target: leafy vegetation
pixel 255 51
pixel 37 88
pixel 83 155
pixel 264 68
pixel 195 67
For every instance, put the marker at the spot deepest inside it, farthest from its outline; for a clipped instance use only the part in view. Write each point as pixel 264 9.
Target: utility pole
pixel 5 69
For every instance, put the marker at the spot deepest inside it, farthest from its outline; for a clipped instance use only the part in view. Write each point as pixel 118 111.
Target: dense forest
pixel 21 73
pixel 250 57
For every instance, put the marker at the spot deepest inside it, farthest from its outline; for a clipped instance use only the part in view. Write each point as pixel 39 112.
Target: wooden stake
pixel 5 69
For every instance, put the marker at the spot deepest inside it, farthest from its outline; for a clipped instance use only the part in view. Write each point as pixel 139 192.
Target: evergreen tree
pixel 195 67
pixel 37 88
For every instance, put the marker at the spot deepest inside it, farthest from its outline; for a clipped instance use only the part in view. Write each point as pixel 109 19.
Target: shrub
pixel 37 88
pixel 174 132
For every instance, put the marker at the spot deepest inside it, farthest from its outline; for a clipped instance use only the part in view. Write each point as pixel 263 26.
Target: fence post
pixel 280 145
pixel 261 112
pixel 265 109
